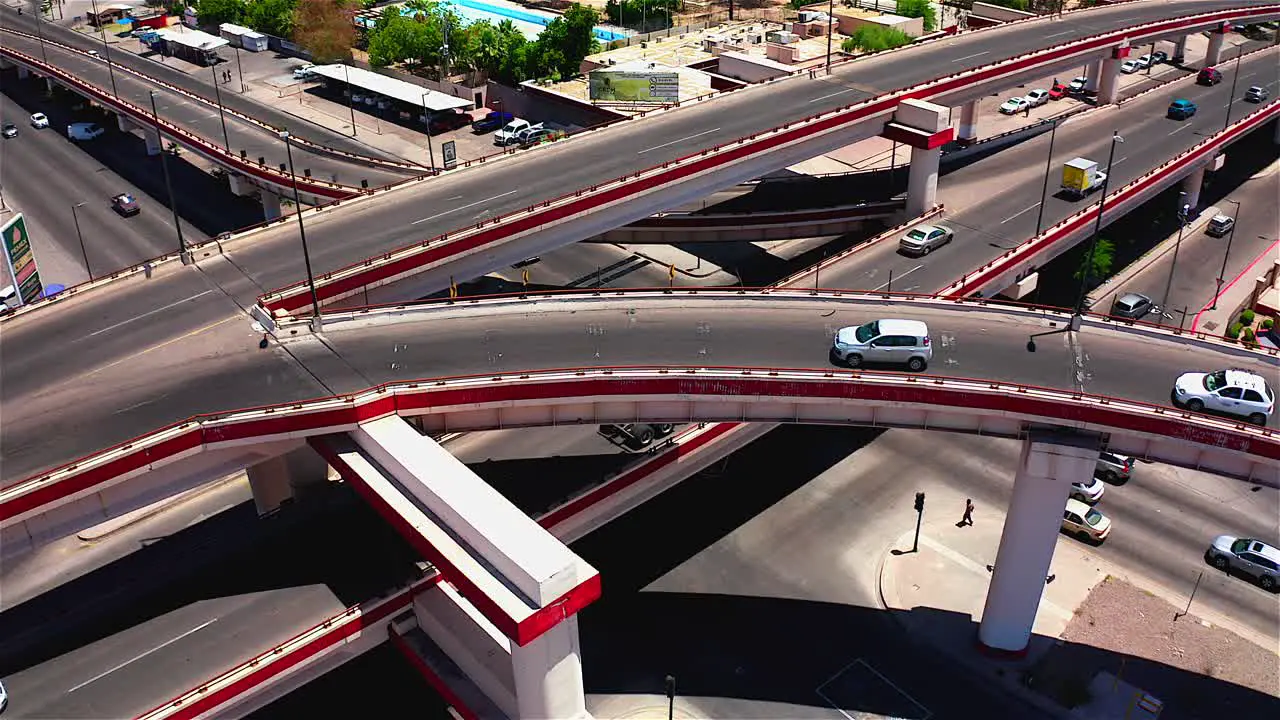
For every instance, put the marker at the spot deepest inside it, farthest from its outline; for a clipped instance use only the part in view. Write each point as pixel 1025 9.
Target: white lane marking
pixel 463 207
pixel 1064 32
pixel 970 57
pixel 1184 127
pixel 673 142
pixel 898 277
pixel 1117 162
pixel 1033 207
pixel 824 97
pixel 161 646
pixel 109 328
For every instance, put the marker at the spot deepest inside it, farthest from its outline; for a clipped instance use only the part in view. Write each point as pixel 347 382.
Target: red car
pixel 125 204
pixel 444 122
pixel 1058 91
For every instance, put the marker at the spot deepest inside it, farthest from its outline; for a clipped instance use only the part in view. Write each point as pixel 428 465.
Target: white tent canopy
pixel 405 92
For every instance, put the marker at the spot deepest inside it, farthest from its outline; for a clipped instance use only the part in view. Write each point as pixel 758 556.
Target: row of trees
pixel 435 37
pixel 273 17
pixel 642 15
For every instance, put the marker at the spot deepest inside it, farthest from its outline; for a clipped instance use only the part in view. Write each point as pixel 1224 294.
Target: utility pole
pixel 915 544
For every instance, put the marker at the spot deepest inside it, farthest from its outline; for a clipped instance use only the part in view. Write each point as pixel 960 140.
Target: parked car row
pixel 1144 62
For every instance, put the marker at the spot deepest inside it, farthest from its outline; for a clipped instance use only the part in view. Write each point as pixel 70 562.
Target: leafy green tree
pixel 216 12
pixel 397 39
pixel 919 9
pixel 873 38
pixel 1011 4
pixel 643 15
pixel 325 28
pixel 273 17
pixel 1103 256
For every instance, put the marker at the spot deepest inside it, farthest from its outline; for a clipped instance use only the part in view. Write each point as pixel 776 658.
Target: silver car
pixel 1254 558
pixel 900 342
pixel 924 239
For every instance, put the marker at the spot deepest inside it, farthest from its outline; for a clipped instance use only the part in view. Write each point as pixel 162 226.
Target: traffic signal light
pixel 919 502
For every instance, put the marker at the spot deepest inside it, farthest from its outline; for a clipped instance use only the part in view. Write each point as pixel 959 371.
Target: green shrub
pixel 1268 323
pixel 1248 336
pixel 1233 331
pixel 1246 317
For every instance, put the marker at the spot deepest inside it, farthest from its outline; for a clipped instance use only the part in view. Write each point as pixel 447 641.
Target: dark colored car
pixel 444 122
pixel 125 205
pixel 1159 57
pixel 1209 76
pixel 9 130
pixel 1181 109
pixel 1133 306
pixel 491 122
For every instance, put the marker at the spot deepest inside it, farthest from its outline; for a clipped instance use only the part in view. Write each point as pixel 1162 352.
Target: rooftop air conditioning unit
pixel 755 39
pixel 774 36
pixel 811 16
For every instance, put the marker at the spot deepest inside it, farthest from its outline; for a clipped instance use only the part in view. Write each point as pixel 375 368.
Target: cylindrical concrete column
pixel 270 205
pixel 48 85
pixel 1191 186
pixel 548 674
pixel 968 130
pixel 1050 463
pixel 1109 83
pixel 124 123
pixel 1092 72
pixel 1180 49
pixel 1214 53
pixel 23 72
pixel 922 180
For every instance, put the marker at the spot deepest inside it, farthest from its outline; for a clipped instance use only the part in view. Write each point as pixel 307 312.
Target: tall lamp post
pixel 239 69
pixel 1048 167
pixel 1184 213
pixel 1097 227
pixel 106 50
pixel 302 233
pixel 183 253
pixel 39 30
pixel 1235 76
pixel 83 252
pixel 831 14
pixel 351 96
pixel 226 143
pixel 1223 272
pixel 430 150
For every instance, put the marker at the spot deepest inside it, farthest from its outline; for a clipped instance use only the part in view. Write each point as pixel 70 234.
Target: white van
pixel 84 131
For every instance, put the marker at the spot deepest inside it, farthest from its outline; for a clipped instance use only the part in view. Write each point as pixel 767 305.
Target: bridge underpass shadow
pixel 334 540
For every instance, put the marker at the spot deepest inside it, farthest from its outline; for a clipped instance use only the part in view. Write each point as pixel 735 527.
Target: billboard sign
pixel 20 259
pixel 634 86
pixel 450 149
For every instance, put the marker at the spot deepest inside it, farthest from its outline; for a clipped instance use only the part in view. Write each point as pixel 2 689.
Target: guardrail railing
pixel 395 262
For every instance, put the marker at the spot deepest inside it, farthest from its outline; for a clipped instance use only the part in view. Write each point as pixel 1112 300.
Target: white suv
pixel 1233 392
pixel 901 342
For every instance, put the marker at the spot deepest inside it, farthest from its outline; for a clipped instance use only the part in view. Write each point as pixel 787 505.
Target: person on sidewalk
pixel 968 513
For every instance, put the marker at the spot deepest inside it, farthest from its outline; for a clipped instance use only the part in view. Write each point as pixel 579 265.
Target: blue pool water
pixel 529 22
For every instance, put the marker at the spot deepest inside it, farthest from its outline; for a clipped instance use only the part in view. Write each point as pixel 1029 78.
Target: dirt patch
pixel 1197 669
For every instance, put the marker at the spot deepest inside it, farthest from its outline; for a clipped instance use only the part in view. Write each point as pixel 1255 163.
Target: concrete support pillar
pixel 152 139
pixel 23 73
pixel 290 476
pixel 548 674
pixel 968 130
pixel 1214 54
pixel 1180 49
pixel 922 180
pixel 48 85
pixel 1109 82
pixel 1191 186
pixel 270 205
pixel 1092 72
pixel 125 124
pixel 5 64
pixel 1275 136
pixel 1050 462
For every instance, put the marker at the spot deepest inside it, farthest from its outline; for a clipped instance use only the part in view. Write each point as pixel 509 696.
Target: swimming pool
pixel 528 22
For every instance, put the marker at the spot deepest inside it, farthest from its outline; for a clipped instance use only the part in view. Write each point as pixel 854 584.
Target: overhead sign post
pixel 634 86
pixel 20 260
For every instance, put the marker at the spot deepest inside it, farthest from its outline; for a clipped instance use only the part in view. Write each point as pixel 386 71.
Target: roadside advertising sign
pixel 20 260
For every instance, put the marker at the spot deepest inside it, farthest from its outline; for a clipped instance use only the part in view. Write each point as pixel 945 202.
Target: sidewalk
pixel 1234 293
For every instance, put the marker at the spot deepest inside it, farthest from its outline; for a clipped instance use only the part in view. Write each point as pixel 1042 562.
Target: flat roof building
pixel 405 92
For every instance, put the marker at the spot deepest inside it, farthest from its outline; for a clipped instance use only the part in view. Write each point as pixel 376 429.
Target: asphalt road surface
pixel 189 330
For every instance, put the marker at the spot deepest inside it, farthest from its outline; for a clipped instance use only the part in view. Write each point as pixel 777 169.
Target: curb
pixel 1149 258
pixel 110 527
pixel 686 273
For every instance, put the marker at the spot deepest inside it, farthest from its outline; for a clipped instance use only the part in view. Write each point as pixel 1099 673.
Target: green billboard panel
pixel 634 86
pixel 20 259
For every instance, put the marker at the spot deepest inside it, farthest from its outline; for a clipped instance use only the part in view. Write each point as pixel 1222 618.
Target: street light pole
pixel 106 50
pixel 1232 97
pixel 39 30
pixel 1048 167
pixel 1097 225
pixel 1183 214
pixel 83 252
pixel 351 96
pixel 302 233
pixel 183 254
pixel 239 69
pixel 430 150
pixel 831 14
pixel 226 143
pixel 1223 272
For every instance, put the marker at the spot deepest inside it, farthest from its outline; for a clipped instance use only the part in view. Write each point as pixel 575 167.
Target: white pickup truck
pixel 514 131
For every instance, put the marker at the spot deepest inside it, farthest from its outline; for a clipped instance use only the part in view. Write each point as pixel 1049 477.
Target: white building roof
pixel 405 92
pixel 193 38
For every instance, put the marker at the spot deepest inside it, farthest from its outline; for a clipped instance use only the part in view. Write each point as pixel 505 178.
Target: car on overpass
pixel 1181 109
pixel 924 239
pixel 1209 76
pixel 1229 392
pixel 125 204
pixel 1247 556
pixel 39 120
pixel 1256 94
pixel 9 130
pixel 894 342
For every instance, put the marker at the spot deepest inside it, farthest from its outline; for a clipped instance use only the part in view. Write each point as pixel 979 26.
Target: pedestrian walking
pixel 968 512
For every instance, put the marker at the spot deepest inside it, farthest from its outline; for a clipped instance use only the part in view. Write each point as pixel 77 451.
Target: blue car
pixel 1181 109
pixel 491 122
